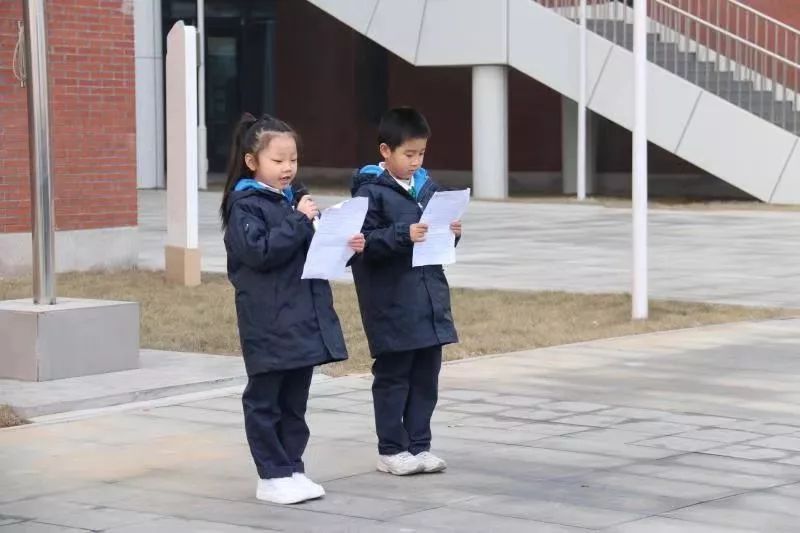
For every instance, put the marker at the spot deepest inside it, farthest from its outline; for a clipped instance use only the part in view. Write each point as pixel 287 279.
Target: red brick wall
pixel 91 67
pixel 787 11
pixel 315 90
pixel 444 96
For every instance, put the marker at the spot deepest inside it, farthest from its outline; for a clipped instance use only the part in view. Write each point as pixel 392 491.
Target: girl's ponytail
pixel 236 166
pixel 250 136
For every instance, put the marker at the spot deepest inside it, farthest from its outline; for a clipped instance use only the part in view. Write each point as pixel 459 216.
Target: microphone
pixel 299 193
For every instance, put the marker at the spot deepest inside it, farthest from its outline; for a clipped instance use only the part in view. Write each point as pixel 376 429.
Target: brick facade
pixel 91 67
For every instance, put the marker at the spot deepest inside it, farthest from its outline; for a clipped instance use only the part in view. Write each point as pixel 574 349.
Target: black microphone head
pixel 299 191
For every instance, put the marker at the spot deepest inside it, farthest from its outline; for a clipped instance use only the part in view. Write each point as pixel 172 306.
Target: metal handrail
pixel 727 34
pixel 723 46
pixel 766 17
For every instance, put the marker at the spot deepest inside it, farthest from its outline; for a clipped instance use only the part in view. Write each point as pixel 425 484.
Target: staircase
pixel 723 79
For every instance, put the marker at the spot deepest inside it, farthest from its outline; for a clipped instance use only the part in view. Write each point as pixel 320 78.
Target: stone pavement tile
pixel 478 421
pixel 698 420
pixel 250 513
pixel 610 435
pixel 726 513
pixel 325 424
pixel 518 400
pixel 593 420
pixel 654 486
pixel 659 428
pixel 440 416
pixel 351 458
pixel 770 501
pixel 191 484
pixel 728 436
pixel 193 414
pixel 658 524
pixel 519 466
pixel 550 511
pixel 742 451
pixel 545 456
pixel 360 408
pixel 779 442
pixel 535 414
pixel 449 519
pixel 475 407
pixel 440 489
pixel 331 403
pixel 576 407
pixel 374 507
pixel 467 395
pixel 507 435
pixel 102 495
pixel 231 404
pixel 613 449
pixel 727 464
pixel 38 527
pixel 634 413
pixel 575 491
pixel 180 525
pixel 336 387
pixel 693 474
pixel 760 427
pixel 792 490
pixel 53 510
pixel 679 444
pixel 32 485
pixel 452 445
pixel 114 429
pixel 359 396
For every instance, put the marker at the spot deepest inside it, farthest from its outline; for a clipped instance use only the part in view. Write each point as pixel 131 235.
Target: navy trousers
pixel 274 420
pixel 404 393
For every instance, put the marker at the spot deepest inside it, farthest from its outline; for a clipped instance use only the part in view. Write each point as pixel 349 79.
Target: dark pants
pixel 404 393
pixel 274 420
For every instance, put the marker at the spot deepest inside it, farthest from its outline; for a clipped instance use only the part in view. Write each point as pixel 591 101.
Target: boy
pixel 405 311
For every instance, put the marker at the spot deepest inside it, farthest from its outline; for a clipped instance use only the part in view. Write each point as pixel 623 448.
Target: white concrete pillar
pixel 490 131
pixel 569 148
pixel 149 57
pixel 182 253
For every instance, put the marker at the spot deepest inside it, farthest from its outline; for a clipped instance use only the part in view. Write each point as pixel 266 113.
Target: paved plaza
pixel 678 432
pixel 692 431
pixel 740 257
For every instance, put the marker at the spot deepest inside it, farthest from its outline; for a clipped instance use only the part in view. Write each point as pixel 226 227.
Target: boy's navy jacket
pixel 402 308
pixel 284 322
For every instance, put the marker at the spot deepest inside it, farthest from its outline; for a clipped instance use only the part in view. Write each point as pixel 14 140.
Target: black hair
pixel 250 136
pixel 401 124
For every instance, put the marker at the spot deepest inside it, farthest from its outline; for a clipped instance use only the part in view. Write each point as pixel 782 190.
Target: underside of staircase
pixel 698 109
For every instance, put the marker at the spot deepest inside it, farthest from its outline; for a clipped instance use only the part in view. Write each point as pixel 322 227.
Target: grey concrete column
pixel 149 94
pixel 490 131
pixel 569 148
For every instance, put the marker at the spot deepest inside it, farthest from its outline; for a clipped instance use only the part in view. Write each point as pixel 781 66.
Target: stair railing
pixel 724 46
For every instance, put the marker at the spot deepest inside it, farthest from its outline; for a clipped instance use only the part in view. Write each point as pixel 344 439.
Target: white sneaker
pixel 282 490
pixel 400 464
pixel 314 490
pixel 431 463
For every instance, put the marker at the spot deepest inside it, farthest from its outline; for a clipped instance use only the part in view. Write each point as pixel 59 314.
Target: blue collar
pixel 245 184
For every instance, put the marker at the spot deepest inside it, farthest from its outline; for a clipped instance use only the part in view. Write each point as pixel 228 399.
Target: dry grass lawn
pixel 8 418
pixel 203 319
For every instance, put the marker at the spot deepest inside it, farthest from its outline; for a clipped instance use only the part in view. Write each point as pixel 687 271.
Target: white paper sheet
pixel 439 246
pixel 329 253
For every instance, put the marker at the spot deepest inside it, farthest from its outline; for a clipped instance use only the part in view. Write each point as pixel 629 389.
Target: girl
pixel 286 325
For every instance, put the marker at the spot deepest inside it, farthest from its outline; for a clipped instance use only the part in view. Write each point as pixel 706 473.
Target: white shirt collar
pixel 406 184
pixel 268 187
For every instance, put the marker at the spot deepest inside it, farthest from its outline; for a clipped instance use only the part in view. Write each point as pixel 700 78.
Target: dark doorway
pixel 240 64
